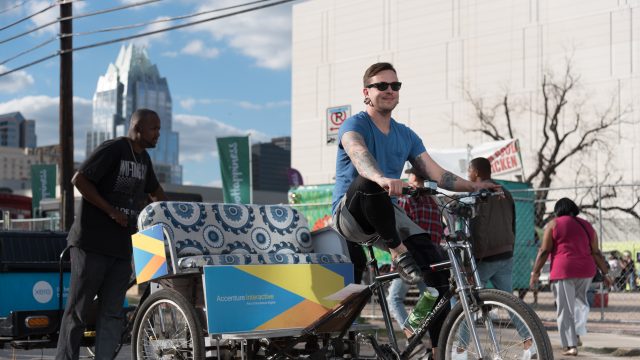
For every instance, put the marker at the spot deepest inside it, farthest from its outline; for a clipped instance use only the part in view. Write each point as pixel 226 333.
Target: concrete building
pixel 16 131
pixel 448 50
pixel 15 165
pixel 133 82
pixel 270 163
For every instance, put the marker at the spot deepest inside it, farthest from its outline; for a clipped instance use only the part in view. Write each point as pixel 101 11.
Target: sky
pixel 227 77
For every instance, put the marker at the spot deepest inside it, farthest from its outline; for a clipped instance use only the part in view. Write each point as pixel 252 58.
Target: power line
pixel 99 12
pixel 53 4
pixel 29 50
pixel 181 17
pixel 125 38
pixel 114 29
pixel 15 6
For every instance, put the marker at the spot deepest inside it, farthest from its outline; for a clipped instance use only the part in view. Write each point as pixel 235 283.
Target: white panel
pixel 554 10
pixel 621 42
pixel 357 35
pixel 415 31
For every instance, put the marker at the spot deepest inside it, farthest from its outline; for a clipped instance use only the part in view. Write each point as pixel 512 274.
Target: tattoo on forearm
pixel 448 180
pixel 365 163
pixel 362 159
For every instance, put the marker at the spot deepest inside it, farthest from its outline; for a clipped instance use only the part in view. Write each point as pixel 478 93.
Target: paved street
pixel 600 346
pixel 616 338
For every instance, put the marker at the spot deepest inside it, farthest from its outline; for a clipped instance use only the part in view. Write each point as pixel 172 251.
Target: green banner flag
pixel 235 169
pixel 43 186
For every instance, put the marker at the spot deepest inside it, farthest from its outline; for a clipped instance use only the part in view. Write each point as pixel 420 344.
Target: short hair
pixel 374 69
pixel 142 115
pixel 482 166
pixel 566 206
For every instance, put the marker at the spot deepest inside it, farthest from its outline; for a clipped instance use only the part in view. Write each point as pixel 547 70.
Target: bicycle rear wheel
pixel 517 330
pixel 167 327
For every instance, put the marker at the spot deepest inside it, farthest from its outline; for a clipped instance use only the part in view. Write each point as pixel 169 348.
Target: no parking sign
pixel 335 117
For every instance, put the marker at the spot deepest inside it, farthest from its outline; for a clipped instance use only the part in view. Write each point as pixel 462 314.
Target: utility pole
pixel 66 115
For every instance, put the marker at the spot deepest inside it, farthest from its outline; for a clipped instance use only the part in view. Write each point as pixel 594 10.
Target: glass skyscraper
pixel 133 82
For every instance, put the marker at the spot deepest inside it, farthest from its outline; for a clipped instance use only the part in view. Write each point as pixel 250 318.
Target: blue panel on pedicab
pixel 30 291
pixel 256 298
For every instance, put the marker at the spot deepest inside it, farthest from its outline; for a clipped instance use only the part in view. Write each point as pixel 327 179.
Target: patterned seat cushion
pixel 199 261
pixel 207 232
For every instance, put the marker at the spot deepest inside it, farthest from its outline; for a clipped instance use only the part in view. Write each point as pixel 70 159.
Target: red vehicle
pixel 18 206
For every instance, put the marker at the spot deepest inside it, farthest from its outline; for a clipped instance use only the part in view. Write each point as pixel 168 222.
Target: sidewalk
pixel 604 341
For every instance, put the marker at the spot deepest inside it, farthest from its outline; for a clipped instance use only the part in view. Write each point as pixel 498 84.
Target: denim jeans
pixel 397 293
pixel 499 272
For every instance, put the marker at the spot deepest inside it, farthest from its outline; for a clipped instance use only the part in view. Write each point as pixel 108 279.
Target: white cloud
pixel 198 134
pixel 145 6
pixel 170 54
pixel 249 105
pixel 264 35
pixel 146 41
pixel 48 16
pixel 44 110
pixel 14 82
pixel 197 48
pixel 190 103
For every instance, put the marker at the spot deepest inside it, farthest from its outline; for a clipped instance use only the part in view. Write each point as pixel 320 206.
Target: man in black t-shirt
pixel 115 181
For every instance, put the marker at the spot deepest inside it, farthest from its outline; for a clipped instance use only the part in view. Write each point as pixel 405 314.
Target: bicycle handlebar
pixel 430 188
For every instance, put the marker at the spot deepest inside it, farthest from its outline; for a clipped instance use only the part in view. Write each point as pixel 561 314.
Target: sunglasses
pixel 382 86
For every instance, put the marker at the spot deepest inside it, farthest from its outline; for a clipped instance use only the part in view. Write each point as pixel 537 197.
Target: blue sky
pixel 227 77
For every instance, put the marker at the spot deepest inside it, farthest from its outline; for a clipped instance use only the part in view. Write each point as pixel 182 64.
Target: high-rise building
pixel 270 163
pixel 131 83
pixel 15 131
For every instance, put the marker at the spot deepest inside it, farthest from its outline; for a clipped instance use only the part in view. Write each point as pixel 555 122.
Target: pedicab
pixel 240 281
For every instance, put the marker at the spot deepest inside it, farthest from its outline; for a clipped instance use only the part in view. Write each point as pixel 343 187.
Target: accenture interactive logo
pixel 42 292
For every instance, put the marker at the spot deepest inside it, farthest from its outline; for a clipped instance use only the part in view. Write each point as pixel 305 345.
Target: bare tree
pixel 568 129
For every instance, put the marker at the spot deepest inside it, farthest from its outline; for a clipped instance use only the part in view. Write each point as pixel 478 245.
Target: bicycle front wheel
pixel 167 327
pixel 506 327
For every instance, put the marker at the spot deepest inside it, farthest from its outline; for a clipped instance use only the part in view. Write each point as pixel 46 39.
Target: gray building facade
pixel 16 131
pixel 133 82
pixel 270 163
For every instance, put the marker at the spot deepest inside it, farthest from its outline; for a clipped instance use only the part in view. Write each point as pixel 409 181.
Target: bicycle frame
pixel 455 243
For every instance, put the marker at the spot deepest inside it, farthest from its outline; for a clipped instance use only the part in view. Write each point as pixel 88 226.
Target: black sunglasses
pixel 382 86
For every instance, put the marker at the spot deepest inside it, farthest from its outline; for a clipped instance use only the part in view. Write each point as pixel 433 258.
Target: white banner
pixel 504 156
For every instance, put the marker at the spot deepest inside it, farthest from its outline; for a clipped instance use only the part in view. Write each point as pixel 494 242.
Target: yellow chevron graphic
pixel 148 244
pixel 311 281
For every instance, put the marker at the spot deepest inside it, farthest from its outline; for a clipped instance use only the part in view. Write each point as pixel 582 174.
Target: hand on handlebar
pixel 393 186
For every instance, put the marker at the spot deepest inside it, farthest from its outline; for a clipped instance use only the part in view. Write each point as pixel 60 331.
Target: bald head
pixel 140 117
pixel 144 128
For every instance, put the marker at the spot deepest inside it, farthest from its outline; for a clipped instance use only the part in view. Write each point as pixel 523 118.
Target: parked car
pixel 543 280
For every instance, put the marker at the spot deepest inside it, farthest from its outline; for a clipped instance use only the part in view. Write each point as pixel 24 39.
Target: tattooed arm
pixel 430 169
pixel 354 145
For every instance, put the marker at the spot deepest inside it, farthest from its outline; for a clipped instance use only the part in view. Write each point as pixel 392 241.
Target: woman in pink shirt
pixel 573 245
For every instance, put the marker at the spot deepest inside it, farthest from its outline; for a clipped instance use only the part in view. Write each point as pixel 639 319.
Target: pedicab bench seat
pixel 202 234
